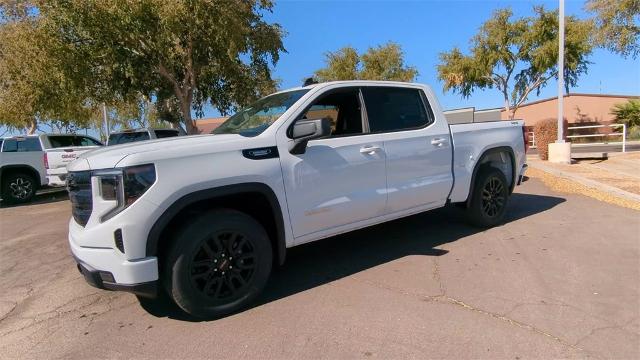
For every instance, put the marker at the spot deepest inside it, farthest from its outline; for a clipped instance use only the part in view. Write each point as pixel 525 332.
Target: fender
pixel 23 167
pixel 210 194
pixel 486 153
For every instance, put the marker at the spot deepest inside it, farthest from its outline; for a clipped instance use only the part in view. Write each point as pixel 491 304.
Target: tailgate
pixel 58 158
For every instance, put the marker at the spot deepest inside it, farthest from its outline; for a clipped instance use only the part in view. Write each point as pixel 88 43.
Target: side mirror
pixel 305 130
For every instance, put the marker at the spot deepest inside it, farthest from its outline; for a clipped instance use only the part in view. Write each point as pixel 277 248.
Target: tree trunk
pixel 507 107
pixel 189 123
pixel 33 126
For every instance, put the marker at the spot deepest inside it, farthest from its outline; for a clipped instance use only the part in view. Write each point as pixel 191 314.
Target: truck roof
pixel 351 82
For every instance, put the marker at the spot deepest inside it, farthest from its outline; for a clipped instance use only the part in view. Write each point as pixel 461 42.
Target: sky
pixel 423 29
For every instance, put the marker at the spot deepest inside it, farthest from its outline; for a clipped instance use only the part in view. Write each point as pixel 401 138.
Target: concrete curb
pixel 586 182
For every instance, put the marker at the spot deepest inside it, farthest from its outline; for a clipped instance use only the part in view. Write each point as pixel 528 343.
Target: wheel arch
pixel 229 196
pixel 486 159
pixel 8 169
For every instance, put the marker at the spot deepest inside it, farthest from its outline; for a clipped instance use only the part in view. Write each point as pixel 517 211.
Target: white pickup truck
pixel 204 218
pixel 33 161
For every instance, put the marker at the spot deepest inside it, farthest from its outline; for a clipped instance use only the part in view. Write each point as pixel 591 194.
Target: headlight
pixel 124 186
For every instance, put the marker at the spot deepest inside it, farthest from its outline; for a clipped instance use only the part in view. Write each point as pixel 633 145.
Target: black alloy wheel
pixel 218 263
pixel 489 198
pixel 493 199
pixel 224 265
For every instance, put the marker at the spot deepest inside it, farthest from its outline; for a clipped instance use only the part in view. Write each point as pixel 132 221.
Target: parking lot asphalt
pixel 560 279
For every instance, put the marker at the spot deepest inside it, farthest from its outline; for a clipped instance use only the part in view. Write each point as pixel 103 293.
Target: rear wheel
pixel 18 188
pixel 218 264
pixel 489 198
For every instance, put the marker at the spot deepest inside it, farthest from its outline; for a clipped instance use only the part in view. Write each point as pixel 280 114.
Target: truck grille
pixel 79 187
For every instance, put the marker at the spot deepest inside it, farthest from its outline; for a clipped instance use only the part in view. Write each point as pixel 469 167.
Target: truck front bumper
pixel 107 268
pixel 105 280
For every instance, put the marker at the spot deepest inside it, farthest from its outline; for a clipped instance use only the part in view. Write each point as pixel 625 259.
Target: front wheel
pixel 489 198
pixel 218 264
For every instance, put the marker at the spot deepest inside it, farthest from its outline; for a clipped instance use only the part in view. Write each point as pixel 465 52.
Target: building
pixel 583 109
pixel 471 115
pixel 207 125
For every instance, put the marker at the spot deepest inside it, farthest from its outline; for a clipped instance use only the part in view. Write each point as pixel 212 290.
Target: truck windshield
pixel 256 118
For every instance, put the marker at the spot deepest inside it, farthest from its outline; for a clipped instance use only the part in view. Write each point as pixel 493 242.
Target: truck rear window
pixel 21 144
pixel 128 137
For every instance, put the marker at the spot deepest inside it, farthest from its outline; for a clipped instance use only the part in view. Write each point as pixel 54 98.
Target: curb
pixel 587 182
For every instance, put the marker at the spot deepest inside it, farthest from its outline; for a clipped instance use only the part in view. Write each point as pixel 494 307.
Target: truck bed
pixel 471 140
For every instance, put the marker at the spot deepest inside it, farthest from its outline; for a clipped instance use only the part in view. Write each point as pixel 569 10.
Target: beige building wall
pixel 578 108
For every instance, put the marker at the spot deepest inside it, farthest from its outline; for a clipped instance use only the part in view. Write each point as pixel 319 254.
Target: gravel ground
pixel 560 279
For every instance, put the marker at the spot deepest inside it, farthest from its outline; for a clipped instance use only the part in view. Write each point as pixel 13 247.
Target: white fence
pixel 623 133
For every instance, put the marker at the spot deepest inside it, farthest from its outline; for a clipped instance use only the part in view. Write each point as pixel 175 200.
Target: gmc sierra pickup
pixel 204 218
pixel 33 161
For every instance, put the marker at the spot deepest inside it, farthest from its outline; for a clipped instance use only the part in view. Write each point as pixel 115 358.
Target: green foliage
pixel 617 25
pixel 627 113
pixel 33 84
pixel 184 53
pixel 517 56
pixel 385 62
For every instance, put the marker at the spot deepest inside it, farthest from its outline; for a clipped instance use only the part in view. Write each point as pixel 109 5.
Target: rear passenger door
pixel 418 148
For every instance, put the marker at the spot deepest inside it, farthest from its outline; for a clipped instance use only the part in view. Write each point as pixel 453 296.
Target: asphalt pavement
pixel 560 279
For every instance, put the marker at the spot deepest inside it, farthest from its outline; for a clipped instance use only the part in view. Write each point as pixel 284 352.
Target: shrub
pixel 627 113
pixel 546 132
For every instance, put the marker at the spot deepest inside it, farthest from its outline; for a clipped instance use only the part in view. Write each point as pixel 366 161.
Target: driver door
pixel 339 181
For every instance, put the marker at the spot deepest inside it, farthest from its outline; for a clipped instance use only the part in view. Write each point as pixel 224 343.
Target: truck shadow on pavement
pixel 44 197
pixel 314 264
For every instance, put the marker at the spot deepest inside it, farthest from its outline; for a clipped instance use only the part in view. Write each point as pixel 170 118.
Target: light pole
pixel 560 151
pixel 560 72
pixel 105 120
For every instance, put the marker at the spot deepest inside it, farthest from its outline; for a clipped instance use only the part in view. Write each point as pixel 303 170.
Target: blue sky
pixel 423 29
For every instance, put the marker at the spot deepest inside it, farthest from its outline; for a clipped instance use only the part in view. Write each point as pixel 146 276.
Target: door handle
pixel 438 142
pixel 369 150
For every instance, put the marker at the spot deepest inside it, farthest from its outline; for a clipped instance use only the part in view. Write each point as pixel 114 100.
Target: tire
pixel 218 264
pixel 489 198
pixel 18 188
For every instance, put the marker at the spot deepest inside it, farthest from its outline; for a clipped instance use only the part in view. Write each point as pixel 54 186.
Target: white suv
pixel 204 218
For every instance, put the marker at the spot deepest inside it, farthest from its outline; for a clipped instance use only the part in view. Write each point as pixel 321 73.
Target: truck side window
pixel 342 108
pixel 87 141
pixel 161 134
pixel 393 109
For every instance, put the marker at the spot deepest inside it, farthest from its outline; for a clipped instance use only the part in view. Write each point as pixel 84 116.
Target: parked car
pixel 33 161
pixel 204 218
pixel 129 136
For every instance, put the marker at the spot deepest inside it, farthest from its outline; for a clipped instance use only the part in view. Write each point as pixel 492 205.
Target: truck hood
pixel 149 150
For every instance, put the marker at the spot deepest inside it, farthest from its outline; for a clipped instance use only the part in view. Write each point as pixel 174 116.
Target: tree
pixel 617 27
pixel 627 113
pixel 385 62
pixel 33 86
pixel 183 53
pixel 517 56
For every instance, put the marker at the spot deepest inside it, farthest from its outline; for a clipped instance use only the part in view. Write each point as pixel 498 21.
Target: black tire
pixel 18 188
pixel 218 264
pixel 489 198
